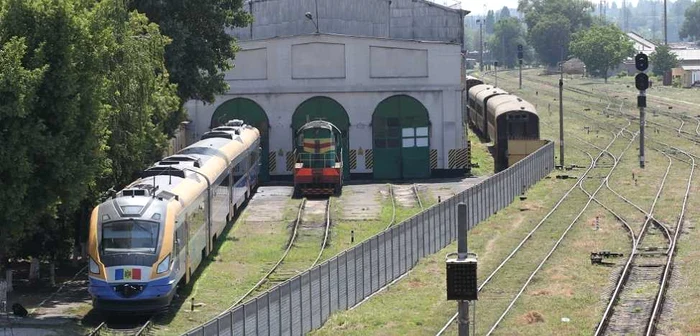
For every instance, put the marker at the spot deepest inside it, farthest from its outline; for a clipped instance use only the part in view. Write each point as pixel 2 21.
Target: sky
pixel 477 6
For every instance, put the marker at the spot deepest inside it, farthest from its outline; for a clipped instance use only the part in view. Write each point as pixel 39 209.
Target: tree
pixel 691 25
pixel 504 43
pixel 663 60
pixel 489 22
pixel 505 13
pixel 601 48
pixel 550 25
pixel 18 87
pixel 87 97
pixel 62 125
pixel 201 49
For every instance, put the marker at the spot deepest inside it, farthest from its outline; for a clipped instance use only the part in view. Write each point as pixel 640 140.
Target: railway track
pixel 112 328
pixel 535 230
pixel 406 196
pixel 591 199
pixel 312 215
pixel 635 304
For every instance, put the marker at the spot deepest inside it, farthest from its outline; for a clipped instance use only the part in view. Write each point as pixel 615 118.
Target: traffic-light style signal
pixel 641 81
pixel 520 47
pixel 520 55
pixel 641 62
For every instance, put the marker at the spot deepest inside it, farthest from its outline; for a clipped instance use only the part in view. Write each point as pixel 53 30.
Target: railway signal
pixel 641 82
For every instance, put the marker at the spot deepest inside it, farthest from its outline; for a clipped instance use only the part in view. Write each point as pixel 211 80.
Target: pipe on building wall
pixel 250 10
pixel 388 26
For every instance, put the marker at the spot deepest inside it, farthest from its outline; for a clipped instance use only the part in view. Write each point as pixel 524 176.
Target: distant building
pixel 386 73
pixel 689 56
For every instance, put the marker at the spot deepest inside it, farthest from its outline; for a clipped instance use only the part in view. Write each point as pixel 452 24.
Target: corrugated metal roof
pixel 687 54
pixel 691 67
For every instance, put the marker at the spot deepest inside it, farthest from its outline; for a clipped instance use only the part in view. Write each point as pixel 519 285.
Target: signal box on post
pixel 461 278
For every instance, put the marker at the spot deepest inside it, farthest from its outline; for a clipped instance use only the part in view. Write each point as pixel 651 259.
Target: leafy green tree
pixel 88 96
pixel 489 23
pixel 601 48
pixel 691 25
pixel 663 60
pixel 201 49
pixel 504 42
pixel 18 136
pixel 505 13
pixel 550 25
pixel 67 135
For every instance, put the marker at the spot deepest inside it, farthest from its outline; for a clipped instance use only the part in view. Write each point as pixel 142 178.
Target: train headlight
pixel 164 265
pixel 94 268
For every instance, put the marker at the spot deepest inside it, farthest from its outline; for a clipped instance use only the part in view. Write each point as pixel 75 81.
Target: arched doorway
pixel 252 114
pixel 401 139
pixel 327 109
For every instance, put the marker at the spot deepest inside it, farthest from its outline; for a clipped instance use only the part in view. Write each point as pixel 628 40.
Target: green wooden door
pixel 400 131
pixel 324 108
pixel 252 114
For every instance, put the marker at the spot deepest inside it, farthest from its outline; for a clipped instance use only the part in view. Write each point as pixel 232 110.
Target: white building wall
pixel 280 74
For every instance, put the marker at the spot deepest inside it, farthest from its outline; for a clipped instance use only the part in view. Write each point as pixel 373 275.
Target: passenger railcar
pixel 152 235
pixel 482 94
pixel 470 82
pixel 513 124
pixel 318 169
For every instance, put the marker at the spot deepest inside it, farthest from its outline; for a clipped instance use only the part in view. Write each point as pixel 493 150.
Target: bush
pixel 622 74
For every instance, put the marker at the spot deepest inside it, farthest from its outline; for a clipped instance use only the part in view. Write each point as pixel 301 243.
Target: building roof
pixel 427 2
pixel 691 67
pixel 643 44
pixel 687 54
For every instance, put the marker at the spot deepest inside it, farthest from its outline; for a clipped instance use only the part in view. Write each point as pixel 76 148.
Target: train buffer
pixel 597 257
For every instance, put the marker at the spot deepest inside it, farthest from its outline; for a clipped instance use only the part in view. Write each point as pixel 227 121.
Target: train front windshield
pixel 133 236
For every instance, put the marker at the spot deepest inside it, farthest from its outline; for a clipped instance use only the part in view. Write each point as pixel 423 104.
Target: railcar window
pixel 130 236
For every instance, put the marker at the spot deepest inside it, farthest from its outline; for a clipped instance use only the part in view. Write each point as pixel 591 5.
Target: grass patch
pixel 417 302
pixel 243 256
pixel 480 156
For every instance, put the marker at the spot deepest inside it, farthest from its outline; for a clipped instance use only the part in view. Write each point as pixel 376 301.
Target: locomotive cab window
pixel 133 236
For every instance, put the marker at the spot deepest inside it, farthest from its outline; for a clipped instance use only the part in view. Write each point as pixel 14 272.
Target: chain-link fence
pixel 305 302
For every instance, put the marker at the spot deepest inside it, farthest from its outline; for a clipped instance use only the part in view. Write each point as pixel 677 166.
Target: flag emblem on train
pixel 127 274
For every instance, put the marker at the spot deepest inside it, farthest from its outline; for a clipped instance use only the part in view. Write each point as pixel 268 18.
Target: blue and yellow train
pixel 152 235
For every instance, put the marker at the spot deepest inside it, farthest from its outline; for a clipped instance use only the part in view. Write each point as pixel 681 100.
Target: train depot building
pixel 388 74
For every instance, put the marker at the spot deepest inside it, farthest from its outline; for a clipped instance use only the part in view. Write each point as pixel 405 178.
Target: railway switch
pixel 461 277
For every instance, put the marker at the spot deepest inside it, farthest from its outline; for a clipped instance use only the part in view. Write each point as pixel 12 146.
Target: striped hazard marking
pixel 433 158
pixel 353 159
pixel 272 161
pixel 290 161
pixel 369 159
pixel 459 158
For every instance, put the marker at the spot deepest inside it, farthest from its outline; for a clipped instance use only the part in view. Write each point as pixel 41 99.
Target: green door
pixel 252 114
pixel 324 108
pixel 401 139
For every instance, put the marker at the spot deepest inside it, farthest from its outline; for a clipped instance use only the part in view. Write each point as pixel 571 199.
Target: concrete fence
pixel 305 302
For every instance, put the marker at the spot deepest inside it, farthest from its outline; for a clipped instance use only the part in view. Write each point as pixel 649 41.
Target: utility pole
pixel 520 65
pixel 461 273
pixel 561 114
pixel 495 72
pixel 665 26
pixel 481 44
